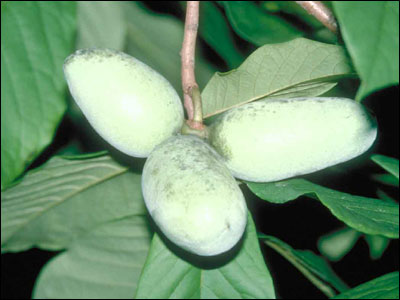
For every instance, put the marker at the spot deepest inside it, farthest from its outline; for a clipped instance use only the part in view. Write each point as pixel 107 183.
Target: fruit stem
pixel 321 12
pixel 197 108
pixel 191 92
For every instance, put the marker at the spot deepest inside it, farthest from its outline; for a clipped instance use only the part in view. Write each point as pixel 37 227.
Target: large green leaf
pixel 368 215
pixel 384 287
pixel 314 267
pixel 165 275
pixel 57 203
pixel 371 33
pixel 36 37
pixel 101 24
pixel 215 31
pixel 157 40
pixel 102 264
pixel 256 25
pixel 298 68
pixel 388 163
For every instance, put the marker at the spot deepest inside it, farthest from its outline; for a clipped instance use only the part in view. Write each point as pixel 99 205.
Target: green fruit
pixel 275 139
pixel 192 196
pixel 129 104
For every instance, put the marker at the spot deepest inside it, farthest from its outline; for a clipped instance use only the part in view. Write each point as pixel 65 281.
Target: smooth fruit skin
pixel 128 103
pixel 192 196
pixel 275 139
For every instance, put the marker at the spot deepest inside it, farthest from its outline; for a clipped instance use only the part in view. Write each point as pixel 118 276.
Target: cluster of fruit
pixel 188 183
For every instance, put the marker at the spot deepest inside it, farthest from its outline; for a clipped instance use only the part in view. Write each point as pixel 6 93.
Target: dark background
pixel 299 223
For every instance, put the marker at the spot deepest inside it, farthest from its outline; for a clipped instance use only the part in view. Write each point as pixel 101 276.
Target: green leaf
pixel 66 197
pixel 388 163
pixel 298 68
pixel 36 37
pixel 215 31
pixel 336 245
pixel 371 33
pixel 384 196
pixel 384 287
pixel 312 266
pixel 102 264
pixel 256 25
pixel 156 40
pixel 377 245
pixel 101 24
pixel 368 215
pixel 165 275
pixel 386 178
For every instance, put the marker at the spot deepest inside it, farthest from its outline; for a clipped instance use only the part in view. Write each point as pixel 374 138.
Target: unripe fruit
pixel 275 139
pixel 129 104
pixel 192 196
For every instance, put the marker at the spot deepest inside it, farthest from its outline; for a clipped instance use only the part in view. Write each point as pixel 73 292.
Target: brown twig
pixel 321 13
pixel 191 93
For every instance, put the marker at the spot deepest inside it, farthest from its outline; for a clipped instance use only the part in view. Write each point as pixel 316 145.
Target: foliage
pixel 373 56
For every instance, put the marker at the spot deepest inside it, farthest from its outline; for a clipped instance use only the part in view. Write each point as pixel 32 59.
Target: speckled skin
pixel 275 139
pixel 129 104
pixel 193 197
